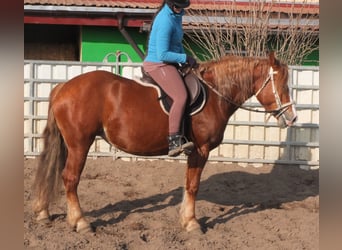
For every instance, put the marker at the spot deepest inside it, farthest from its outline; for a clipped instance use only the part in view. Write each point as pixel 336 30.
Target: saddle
pixel 195 89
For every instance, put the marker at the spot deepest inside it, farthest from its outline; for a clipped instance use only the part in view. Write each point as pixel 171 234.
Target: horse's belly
pixel 138 138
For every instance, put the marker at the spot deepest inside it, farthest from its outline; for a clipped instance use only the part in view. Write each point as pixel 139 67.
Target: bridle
pixel 281 108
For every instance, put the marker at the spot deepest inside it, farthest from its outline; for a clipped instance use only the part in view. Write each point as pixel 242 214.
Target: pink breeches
pixel 171 82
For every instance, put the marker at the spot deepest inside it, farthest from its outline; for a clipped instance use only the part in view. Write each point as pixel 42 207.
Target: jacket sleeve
pixel 163 46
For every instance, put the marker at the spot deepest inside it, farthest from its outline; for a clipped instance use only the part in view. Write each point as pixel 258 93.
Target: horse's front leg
pixel 194 170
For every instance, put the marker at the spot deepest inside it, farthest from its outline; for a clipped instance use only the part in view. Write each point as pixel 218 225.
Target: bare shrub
pixel 254 31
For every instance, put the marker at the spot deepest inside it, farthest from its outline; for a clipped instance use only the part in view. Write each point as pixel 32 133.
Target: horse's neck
pixel 230 101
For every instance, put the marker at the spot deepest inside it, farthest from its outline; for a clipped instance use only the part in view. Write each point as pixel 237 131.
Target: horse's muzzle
pixel 287 119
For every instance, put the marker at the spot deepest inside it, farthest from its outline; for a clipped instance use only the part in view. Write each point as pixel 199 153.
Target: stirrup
pixel 179 144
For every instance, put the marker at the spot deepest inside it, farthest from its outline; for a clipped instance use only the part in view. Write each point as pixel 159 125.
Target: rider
pixel 165 51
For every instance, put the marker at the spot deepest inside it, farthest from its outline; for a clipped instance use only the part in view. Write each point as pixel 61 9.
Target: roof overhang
pixel 135 17
pixel 81 15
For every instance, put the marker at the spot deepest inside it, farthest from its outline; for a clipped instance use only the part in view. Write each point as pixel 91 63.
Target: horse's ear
pixel 272 59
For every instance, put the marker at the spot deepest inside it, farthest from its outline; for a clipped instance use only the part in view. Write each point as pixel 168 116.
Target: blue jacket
pixel 165 42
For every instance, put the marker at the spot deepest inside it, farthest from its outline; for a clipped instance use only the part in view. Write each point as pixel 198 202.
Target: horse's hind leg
pixel 71 177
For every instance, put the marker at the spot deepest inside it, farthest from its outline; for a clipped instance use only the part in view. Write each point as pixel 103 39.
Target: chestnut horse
pixel 128 115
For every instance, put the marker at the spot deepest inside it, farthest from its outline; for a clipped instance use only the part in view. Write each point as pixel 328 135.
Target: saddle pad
pixel 197 95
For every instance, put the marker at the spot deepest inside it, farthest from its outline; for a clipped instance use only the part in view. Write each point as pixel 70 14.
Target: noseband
pixel 281 108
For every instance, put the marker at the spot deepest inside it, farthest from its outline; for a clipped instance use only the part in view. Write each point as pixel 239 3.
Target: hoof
pixel 196 232
pixel 45 221
pixel 83 226
pixel 43 217
pixel 192 226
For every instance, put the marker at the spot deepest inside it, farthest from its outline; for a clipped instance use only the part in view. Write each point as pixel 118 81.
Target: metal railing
pixel 248 137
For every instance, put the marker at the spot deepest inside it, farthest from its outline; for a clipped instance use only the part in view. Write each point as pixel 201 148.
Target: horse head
pixel 273 91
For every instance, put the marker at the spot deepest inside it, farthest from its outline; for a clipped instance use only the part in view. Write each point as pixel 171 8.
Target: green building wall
pixel 97 42
pixel 312 59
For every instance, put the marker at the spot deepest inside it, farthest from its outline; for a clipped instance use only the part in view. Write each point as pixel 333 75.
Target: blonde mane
pixel 235 73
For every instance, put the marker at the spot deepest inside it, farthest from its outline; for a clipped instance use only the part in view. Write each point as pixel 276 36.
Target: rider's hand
pixel 191 61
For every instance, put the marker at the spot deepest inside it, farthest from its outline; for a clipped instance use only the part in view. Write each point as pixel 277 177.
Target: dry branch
pixel 292 35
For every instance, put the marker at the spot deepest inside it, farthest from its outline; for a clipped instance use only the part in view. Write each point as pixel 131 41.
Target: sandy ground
pixel 134 205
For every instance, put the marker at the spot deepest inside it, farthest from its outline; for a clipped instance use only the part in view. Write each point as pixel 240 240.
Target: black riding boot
pixel 178 144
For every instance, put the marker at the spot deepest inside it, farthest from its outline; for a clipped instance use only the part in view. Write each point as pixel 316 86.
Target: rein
pixel 276 112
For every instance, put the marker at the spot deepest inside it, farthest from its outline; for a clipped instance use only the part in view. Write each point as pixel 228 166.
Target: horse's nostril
pixel 294 119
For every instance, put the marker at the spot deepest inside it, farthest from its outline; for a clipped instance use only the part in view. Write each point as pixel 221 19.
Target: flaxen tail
pixel 47 183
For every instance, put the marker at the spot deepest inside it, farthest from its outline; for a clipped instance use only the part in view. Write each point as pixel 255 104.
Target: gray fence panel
pixel 248 138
